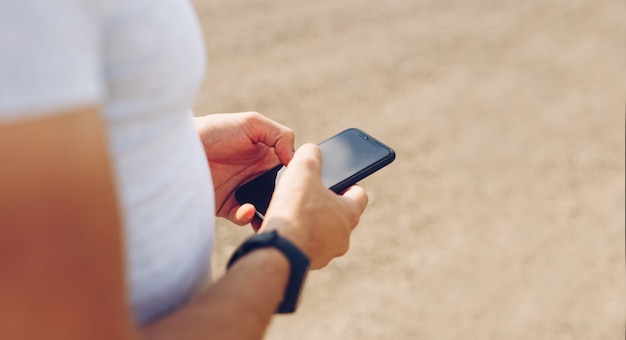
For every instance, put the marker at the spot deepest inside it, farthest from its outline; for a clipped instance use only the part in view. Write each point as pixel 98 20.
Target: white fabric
pixel 142 61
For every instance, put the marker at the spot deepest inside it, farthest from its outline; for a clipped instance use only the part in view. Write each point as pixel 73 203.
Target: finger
pixel 284 148
pixel 357 195
pixel 307 158
pixel 242 214
pixel 273 134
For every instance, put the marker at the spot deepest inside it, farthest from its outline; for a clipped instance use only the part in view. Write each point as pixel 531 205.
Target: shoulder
pixel 49 56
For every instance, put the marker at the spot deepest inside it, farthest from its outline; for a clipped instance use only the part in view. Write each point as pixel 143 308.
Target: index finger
pixel 273 134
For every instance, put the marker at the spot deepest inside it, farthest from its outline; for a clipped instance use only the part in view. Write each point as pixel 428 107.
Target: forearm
pixel 238 306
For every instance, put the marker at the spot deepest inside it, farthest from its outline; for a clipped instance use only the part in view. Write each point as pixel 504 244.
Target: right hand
pixel 310 215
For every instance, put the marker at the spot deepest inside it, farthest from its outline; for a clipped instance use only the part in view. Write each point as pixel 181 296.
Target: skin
pixel 60 236
pixel 61 249
pixel 240 147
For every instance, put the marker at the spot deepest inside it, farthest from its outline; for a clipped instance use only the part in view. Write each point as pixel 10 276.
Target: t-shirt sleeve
pixel 50 57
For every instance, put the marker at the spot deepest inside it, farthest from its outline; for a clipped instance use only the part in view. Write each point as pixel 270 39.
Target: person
pixel 109 185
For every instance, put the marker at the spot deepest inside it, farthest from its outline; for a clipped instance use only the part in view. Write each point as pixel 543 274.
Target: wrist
pixel 290 231
pixel 274 264
pixel 298 264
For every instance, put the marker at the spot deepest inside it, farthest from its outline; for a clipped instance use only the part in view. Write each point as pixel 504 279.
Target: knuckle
pixel 289 133
pixel 251 116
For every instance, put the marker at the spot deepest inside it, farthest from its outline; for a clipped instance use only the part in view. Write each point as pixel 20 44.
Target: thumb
pixel 242 214
pixel 307 158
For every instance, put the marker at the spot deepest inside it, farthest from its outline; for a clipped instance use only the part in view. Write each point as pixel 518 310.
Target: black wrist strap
pixel 298 260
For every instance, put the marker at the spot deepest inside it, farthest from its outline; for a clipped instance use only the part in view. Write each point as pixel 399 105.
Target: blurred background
pixel 503 214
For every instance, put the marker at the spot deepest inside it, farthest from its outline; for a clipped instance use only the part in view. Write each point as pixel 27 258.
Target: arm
pixel 238 306
pixel 60 244
pixel 61 249
pixel 241 304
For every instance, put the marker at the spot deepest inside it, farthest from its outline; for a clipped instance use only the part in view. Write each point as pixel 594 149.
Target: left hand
pixel 239 147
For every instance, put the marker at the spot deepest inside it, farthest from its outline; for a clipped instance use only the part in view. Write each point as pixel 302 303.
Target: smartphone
pixel 347 157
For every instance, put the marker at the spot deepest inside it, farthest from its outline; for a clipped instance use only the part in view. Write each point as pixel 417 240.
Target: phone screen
pixel 347 157
pixel 347 154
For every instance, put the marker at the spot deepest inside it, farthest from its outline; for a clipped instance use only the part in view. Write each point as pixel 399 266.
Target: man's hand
pixel 316 219
pixel 241 303
pixel 240 147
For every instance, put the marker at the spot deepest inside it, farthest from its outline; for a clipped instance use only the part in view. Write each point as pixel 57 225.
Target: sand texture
pixel 503 214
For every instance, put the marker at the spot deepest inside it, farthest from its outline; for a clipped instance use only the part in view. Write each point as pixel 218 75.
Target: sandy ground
pixel 503 215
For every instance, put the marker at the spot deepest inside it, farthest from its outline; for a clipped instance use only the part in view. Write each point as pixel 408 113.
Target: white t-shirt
pixel 142 61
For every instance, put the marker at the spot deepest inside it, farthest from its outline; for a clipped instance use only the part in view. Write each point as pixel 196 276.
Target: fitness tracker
pixel 298 260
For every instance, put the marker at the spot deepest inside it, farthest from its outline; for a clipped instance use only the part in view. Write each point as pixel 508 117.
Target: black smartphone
pixel 347 157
